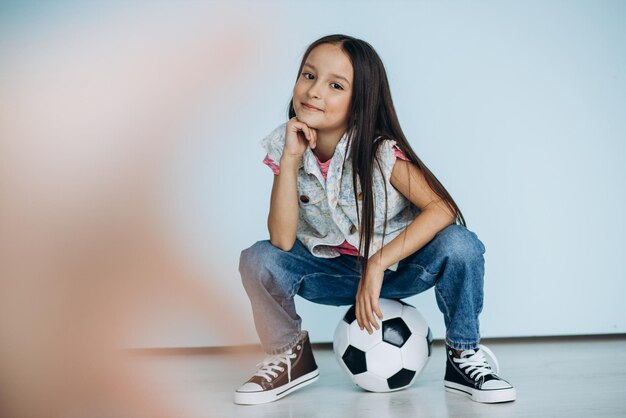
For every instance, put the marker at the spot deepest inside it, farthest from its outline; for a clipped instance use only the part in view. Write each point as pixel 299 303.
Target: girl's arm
pixel 282 220
pixel 434 217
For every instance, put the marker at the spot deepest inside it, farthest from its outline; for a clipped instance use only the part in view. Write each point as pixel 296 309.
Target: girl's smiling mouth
pixel 310 108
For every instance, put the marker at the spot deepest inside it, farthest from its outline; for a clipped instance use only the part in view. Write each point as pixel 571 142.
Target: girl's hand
pixel 367 297
pixel 297 137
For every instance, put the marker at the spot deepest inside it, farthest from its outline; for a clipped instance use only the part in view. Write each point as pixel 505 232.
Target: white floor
pixel 569 377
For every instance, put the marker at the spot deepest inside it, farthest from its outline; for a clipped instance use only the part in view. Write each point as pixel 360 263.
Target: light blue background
pixel 518 107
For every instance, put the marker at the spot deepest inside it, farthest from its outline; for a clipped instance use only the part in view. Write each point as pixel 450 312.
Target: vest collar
pixel 311 166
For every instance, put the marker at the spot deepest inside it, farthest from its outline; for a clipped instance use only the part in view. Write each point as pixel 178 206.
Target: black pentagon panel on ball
pixel 400 379
pixel 396 332
pixel 355 360
pixel 429 340
pixel 350 316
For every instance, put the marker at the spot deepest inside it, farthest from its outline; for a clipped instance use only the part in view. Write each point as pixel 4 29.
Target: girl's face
pixel 325 85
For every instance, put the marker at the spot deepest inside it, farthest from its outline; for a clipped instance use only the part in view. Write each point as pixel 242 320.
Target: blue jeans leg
pixel 454 264
pixel 272 277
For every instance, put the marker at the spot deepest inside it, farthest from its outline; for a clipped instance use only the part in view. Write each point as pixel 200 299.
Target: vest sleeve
pixel 399 154
pixel 273 145
pixel 271 164
pixel 388 153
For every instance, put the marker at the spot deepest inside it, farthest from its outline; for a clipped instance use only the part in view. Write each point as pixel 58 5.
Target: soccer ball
pixel 391 357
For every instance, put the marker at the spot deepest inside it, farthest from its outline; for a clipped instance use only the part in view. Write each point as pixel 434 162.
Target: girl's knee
pixel 263 265
pixel 460 243
pixel 253 258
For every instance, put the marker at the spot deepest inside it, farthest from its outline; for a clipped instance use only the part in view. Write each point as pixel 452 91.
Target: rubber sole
pixel 265 396
pixel 482 396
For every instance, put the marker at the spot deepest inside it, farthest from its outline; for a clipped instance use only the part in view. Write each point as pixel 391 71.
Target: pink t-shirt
pixel 344 247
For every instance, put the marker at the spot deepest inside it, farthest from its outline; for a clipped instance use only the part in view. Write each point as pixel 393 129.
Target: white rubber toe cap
pixel 249 387
pixel 496 384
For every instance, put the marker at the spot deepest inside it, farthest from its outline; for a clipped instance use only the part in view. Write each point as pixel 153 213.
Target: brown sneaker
pixel 280 374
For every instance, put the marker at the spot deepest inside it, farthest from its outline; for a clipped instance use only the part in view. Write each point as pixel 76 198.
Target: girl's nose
pixel 314 91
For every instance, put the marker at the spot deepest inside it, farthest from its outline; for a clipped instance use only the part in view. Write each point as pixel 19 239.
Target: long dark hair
pixel 373 119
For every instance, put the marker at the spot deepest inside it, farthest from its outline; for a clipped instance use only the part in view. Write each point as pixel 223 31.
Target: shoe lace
pixel 474 363
pixel 268 367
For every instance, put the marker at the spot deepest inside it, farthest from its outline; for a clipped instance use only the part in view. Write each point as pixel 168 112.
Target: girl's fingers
pixel 377 310
pixel 361 318
pixel 366 320
pixel 370 319
pixel 311 137
pixel 302 127
pixel 357 307
pixel 364 311
pixel 307 132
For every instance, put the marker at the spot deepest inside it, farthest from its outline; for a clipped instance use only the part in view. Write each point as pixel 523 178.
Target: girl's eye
pixel 339 86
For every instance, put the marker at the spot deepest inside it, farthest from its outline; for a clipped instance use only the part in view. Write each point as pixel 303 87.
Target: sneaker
pixel 470 374
pixel 280 374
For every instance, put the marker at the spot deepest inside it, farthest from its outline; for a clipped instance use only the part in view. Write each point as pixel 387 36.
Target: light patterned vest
pixel 327 209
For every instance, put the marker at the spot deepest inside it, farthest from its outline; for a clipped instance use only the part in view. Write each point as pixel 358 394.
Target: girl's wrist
pixel 376 262
pixel 290 160
pixel 291 157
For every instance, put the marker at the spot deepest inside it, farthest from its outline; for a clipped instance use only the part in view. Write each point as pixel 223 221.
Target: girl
pixel 354 216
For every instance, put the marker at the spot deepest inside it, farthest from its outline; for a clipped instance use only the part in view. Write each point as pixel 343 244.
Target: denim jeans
pixel 452 262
